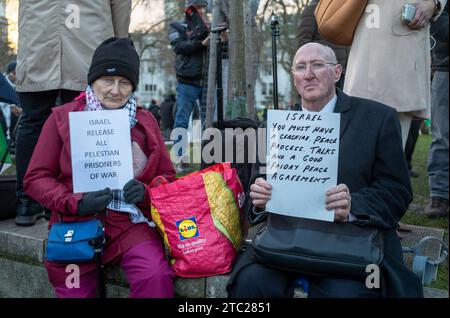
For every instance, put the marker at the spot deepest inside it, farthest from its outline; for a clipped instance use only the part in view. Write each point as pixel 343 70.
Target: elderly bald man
pixel 373 187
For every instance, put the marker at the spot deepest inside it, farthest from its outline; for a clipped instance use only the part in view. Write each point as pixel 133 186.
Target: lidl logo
pixel 187 228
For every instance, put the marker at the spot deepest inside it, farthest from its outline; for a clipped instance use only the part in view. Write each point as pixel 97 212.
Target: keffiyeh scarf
pixel 93 104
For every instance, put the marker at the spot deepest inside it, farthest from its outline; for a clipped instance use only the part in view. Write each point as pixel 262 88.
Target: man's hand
pixel 424 13
pixel 338 198
pixel 94 202
pixel 224 36
pixel 205 42
pixel 134 191
pixel 260 192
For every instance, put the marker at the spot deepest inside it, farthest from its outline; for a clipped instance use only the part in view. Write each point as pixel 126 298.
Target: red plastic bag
pixel 200 218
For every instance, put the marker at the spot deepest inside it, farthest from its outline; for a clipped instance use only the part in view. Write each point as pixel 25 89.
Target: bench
pixel 22 273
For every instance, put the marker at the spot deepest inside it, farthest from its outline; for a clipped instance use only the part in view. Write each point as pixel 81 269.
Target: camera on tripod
pixel 200 29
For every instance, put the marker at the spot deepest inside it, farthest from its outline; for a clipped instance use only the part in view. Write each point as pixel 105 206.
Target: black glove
pixel 94 202
pixel 134 191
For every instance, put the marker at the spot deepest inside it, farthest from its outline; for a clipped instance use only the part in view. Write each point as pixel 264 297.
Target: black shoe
pixel 48 214
pixel 181 167
pixel 28 211
pixel 413 174
pixel 437 207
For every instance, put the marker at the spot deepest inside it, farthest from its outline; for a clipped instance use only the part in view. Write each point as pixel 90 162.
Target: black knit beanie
pixel 198 3
pixel 115 56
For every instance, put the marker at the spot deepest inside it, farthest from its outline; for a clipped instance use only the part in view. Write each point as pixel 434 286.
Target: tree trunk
pixel 250 59
pixel 212 72
pixel 289 15
pixel 236 80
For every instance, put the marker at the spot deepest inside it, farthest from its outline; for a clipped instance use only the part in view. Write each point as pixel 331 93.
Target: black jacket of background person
pixel 167 109
pixel 439 31
pixel 373 166
pixel 7 92
pixel 308 32
pixel 154 109
pixel 190 61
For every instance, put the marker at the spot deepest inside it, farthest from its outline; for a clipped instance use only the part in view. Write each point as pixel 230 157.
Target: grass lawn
pixel 421 197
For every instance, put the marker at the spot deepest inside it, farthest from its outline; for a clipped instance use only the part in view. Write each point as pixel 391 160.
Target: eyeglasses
pixel 314 66
pixel 124 84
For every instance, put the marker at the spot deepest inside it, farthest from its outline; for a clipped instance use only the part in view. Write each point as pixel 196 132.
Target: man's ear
pixel 337 72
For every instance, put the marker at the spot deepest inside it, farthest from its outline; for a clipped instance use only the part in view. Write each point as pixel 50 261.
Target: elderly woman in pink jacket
pixel 132 242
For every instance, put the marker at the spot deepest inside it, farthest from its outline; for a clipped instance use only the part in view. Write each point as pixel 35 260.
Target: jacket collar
pixel 343 107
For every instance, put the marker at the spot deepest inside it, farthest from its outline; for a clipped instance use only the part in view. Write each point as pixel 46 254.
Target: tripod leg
pixel 219 84
pixel 101 287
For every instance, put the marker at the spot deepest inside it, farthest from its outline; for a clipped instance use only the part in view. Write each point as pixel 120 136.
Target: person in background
pixel 413 135
pixel 309 32
pixel 11 112
pixel 10 73
pixel 56 41
pixel 133 242
pixel 154 109
pixel 390 60
pixel 167 114
pixel 190 40
pixel 7 92
pixel 438 154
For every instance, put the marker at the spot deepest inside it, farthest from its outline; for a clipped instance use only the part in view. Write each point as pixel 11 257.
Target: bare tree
pixel 152 41
pixel 236 80
pixel 6 50
pixel 252 49
pixel 212 74
pixel 288 13
pixel 6 54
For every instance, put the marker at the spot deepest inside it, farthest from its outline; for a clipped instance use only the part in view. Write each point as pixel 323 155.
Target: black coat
pixel 167 109
pixel 7 92
pixel 373 166
pixel 154 109
pixel 191 54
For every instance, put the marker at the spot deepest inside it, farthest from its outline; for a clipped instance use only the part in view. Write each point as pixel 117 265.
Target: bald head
pixel 315 71
pixel 323 51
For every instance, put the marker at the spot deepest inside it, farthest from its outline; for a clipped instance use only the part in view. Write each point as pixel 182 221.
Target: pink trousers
pixel 145 267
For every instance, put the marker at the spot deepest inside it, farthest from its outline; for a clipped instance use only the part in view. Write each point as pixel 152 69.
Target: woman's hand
pixel 94 202
pixel 260 192
pixel 134 191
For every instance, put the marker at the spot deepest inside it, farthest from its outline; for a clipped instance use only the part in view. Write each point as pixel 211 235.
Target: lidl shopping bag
pixel 200 219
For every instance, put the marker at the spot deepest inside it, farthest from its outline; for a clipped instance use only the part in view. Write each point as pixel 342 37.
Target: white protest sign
pixel 302 162
pixel 101 149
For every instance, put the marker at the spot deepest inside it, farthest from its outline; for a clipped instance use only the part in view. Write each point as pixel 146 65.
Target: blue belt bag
pixel 71 242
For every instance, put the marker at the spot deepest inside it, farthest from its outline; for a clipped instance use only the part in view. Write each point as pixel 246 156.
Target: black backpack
pixel 249 148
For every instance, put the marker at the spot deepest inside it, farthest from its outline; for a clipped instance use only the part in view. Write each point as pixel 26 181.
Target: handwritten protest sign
pixel 302 162
pixel 101 150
